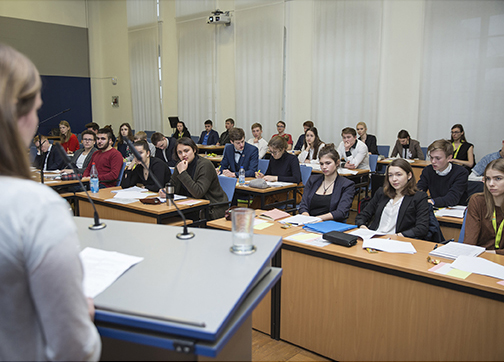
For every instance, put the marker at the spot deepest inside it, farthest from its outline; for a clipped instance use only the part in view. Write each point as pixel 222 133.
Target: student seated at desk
pixel 258 141
pixel 408 148
pixel 354 152
pixel 135 173
pixel 463 151
pixel 479 169
pixel 142 136
pixel 368 139
pixel 165 148
pixel 328 196
pixel 50 159
pixel 446 182
pixel 181 131
pixel 82 156
pixel 195 176
pixel 45 315
pixel 224 137
pixel 485 216
pixel 311 147
pixel 397 207
pixel 208 136
pixel 93 126
pixel 238 154
pixel 68 140
pixel 300 141
pixel 125 132
pixel 281 132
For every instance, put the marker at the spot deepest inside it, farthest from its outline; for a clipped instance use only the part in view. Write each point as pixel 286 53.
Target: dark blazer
pixel 371 144
pixel 414 147
pixel 76 156
pixel 412 220
pixel 168 152
pixel 157 167
pixel 224 138
pixel 249 160
pixel 184 134
pixel 54 161
pixel 341 198
pixel 299 143
pixel 213 138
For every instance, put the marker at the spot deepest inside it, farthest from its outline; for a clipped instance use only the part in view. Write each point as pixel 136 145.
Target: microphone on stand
pixel 56 115
pixel 97 224
pixel 169 190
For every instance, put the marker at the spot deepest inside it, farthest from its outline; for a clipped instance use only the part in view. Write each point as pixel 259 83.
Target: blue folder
pixel 326 226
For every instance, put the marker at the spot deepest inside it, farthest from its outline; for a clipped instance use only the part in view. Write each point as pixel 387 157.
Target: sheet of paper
pixel 364 233
pixel 258 221
pixel 130 189
pixel 458 273
pixel 133 195
pixel 479 266
pixel 303 237
pixel 346 171
pixel 390 246
pixel 436 267
pixel 102 268
pixel 457 212
pixel 175 198
pixel 501 282
pixel 300 220
pixel 189 202
pixel 453 249
pixel 447 269
pixel 122 201
pixel 278 184
pixel 262 225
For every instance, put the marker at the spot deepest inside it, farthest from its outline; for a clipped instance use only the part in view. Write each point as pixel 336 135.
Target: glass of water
pixel 243 231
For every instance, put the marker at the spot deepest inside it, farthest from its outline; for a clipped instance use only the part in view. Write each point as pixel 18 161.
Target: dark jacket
pixel 449 190
pixel 248 159
pixel 341 198
pixel 299 143
pixel 412 220
pixel 168 152
pixel 213 138
pixel 54 161
pixel 157 167
pixel 185 133
pixel 414 147
pixel 371 144
pixel 224 138
pixel 286 168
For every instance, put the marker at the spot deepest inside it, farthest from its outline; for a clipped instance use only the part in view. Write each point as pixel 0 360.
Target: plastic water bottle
pixel 241 176
pixel 94 179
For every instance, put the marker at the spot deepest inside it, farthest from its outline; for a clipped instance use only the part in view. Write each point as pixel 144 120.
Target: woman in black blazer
pixel 398 208
pixel 328 196
pixel 181 131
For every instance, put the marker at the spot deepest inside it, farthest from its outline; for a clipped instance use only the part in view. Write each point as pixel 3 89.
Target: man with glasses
pixel 108 160
pixel 49 158
pixel 82 156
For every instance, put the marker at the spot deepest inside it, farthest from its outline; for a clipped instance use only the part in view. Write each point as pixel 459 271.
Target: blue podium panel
pixel 194 289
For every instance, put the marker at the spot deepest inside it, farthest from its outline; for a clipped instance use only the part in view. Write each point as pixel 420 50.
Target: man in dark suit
pixel 208 136
pixel 238 154
pixel 164 148
pixel 50 158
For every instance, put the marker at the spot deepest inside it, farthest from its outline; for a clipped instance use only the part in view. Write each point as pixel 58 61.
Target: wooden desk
pixel 418 166
pixel 211 149
pixel 450 226
pixel 215 159
pixel 136 211
pixel 49 181
pixel 262 193
pixel 347 304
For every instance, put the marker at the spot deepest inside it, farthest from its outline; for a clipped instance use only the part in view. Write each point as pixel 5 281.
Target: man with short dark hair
pixel 93 127
pixel 208 136
pixel 224 137
pixel 107 159
pixel 164 148
pixel 50 158
pixel 238 154
pixel 352 151
pixel 445 181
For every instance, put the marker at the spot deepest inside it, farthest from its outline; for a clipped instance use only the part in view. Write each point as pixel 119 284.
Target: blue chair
pixel 79 137
pixel 121 174
pixel 228 184
pixel 462 229
pixel 424 150
pixel 305 173
pixel 373 162
pixel 263 165
pixel 384 150
pixel 195 139
pixel 149 134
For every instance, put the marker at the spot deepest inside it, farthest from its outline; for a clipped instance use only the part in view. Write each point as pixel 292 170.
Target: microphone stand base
pixel 97 227
pixel 183 236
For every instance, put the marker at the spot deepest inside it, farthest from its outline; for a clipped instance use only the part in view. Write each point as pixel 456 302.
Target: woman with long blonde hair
pixel 68 140
pixel 44 313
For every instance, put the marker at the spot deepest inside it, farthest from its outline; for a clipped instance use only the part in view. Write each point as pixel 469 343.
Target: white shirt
pixel 389 215
pixel 80 161
pixel 304 154
pixel 261 145
pixel 359 155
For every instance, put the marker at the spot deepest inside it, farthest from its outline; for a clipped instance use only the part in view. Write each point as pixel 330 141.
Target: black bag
pixel 339 238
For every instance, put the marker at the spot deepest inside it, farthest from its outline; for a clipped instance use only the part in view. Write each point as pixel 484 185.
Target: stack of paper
pixel 390 246
pixel 308 238
pixel 278 184
pixel 346 171
pixel 455 211
pixel 453 250
pixel 479 266
pixel 300 220
pixel 364 233
pixel 274 214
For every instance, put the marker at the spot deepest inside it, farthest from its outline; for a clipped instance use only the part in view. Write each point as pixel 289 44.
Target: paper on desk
pixel 364 233
pixel 446 269
pixel 189 202
pixel 102 268
pixel 390 246
pixel 308 239
pixel 175 198
pixel 262 225
pixel 133 195
pixel 122 201
pixel 130 189
pixel 346 171
pixel 479 266
pixel 300 220
pixel 452 250
pixel 456 211
pixel 278 183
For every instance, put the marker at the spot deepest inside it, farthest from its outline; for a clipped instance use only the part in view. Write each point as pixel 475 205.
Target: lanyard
pixel 456 150
pixel 498 233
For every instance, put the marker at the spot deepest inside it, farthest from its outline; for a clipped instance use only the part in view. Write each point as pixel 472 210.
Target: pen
pixel 435 247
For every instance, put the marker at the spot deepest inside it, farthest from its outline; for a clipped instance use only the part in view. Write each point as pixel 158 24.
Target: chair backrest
pixel 263 165
pixel 121 174
pixel 79 137
pixel 228 184
pixel 462 229
pixel 384 150
pixel 195 139
pixel 424 151
pixel 305 173
pixel 149 133
pixel 373 161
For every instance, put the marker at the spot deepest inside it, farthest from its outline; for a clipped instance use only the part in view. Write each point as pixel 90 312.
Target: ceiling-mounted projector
pixel 219 17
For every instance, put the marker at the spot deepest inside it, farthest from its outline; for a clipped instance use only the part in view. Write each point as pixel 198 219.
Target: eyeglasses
pixel 87 140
